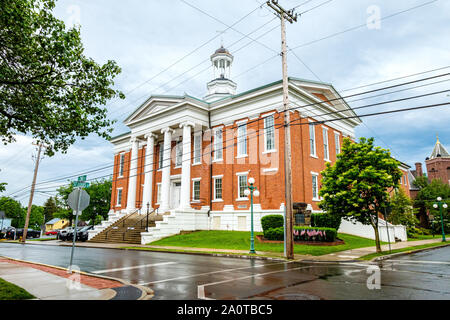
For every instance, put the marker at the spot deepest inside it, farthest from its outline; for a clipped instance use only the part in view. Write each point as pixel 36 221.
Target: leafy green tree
pixel 355 187
pixel 36 217
pixel 402 210
pixel 64 211
pixel 13 210
pixel 100 193
pixel 2 186
pixel 48 87
pixel 427 196
pixel 50 208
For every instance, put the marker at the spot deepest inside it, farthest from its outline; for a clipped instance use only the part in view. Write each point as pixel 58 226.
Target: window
pixel 161 155
pixel 315 187
pixel 218 145
pixel 119 197
pixel 197 149
pixel 269 133
pixel 158 193
pixel 218 189
pixel 326 153
pixel 179 154
pixel 312 139
pixel 242 185
pixel 121 164
pixel 337 143
pixel 196 191
pixel 242 140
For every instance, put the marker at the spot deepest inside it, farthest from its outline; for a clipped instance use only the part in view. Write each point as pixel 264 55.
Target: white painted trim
pixel 117 196
pixel 218 176
pixel 239 122
pixel 270 170
pixel 242 173
pixel 269 151
pixel 214 189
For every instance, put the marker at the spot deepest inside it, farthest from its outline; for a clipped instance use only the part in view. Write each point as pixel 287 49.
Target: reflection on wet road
pixel 423 275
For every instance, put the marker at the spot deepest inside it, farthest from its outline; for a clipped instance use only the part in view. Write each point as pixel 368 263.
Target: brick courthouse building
pixel 191 158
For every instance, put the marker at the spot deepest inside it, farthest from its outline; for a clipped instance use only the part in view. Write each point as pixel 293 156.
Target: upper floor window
pixel 196 191
pixel 315 186
pixel 217 188
pixel 242 140
pixel 326 153
pixel 197 149
pixel 179 155
pixel 242 185
pixel 269 133
pixel 121 164
pixel 312 139
pixel 218 144
pixel 161 155
pixel 337 142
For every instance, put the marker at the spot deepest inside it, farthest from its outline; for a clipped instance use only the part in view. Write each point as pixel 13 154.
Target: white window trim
pixel 120 163
pixel 241 174
pixel 270 170
pixel 314 155
pixel 324 129
pixel 315 174
pixel 193 161
pixel 193 189
pixel 242 124
pixel 161 154
pixel 337 134
pixel 265 135
pixel 158 186
pixel 214 144
pixel 117 197
pixel 215 199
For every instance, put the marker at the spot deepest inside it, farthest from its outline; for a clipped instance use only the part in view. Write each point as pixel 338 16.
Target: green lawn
pixel 428 237
pixel 9 291
pixel 409 249
pixel 237 240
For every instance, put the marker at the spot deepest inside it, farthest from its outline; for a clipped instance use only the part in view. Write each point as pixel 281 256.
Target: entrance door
pixel 176 191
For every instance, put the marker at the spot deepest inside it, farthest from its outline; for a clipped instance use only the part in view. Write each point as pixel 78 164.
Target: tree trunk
pixel 377 239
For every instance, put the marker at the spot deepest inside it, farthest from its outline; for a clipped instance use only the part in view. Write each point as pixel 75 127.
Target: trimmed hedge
pixel 303 234
pixel 325 220
pixel 272 221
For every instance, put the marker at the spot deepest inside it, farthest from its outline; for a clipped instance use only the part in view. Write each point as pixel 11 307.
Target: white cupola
pixel 221 86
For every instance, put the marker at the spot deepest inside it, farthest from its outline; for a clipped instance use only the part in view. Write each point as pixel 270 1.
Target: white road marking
pixel 133 267
pixel 201 288
pixel 420 262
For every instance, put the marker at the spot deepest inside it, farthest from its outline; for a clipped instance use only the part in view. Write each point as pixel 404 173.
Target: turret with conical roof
pixel 439 151
pixel 438 164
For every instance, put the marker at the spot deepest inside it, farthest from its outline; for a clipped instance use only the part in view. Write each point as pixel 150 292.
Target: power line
pixel 341 99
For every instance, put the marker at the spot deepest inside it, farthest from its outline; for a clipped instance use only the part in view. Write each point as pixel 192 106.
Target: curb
pixel 398 254
pixel 147 293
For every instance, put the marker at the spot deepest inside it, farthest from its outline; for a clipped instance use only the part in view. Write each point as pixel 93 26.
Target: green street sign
pixel 77 184
pixel 82 178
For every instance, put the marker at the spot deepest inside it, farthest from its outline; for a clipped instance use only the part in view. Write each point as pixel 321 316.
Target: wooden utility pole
pixel 33 184
pixel 289 235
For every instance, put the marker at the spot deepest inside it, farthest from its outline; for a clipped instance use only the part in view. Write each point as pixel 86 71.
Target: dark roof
pixel 222 50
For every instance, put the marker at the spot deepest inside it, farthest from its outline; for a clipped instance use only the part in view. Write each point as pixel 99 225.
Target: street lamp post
pixel 251 191
pixel 441 205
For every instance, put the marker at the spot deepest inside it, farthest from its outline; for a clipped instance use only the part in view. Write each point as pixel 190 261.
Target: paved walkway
pixel 56 284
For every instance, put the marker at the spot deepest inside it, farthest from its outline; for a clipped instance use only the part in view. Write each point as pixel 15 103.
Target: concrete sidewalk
pixel 48 286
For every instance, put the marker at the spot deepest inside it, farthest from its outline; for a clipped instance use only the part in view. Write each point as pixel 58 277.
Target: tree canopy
pixel 356 186
pixel 427 196
pixel 48 87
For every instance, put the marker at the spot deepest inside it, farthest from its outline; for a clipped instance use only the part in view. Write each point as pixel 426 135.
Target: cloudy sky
pixel 163 47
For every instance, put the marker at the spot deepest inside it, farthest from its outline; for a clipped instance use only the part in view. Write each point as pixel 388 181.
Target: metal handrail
pixel 139 221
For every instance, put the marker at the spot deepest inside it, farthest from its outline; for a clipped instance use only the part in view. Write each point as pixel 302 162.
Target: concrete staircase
pixel 127 229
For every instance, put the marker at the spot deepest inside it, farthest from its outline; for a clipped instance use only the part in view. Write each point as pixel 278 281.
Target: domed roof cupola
pixel 221 86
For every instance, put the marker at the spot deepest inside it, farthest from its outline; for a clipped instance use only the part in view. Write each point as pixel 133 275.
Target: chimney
pixel 419 172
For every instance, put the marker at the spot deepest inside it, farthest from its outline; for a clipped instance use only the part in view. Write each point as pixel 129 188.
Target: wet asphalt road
pixel 175 276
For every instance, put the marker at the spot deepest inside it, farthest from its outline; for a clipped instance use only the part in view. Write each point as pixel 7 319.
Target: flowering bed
pixel 307 234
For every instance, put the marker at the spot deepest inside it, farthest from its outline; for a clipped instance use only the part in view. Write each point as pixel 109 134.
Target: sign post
pixel 78 201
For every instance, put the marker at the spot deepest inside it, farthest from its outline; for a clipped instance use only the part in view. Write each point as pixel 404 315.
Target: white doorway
pixel 175 194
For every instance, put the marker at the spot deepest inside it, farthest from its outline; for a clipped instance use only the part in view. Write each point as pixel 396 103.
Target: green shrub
pixel 325 220
pixel 272 221
pixel 303 234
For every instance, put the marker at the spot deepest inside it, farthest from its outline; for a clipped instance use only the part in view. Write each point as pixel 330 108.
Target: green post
pixel 252 239
pixel 442 222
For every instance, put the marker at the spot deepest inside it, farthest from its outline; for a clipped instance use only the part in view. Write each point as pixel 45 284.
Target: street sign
pixel 82 178
pixel 78 184
pixel 78 200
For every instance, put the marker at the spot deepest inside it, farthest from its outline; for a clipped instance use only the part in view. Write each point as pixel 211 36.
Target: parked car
pixel 31 233
pixel 10 232
pixel 62 234
pixel 82 234
pixel 52 233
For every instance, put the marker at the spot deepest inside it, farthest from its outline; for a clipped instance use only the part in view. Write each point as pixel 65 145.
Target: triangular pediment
pixel 154 105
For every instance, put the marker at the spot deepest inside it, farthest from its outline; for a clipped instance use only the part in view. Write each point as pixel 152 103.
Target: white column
pixel 165 183
pixel 185 196
pixel 131 199
pixel 148 169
